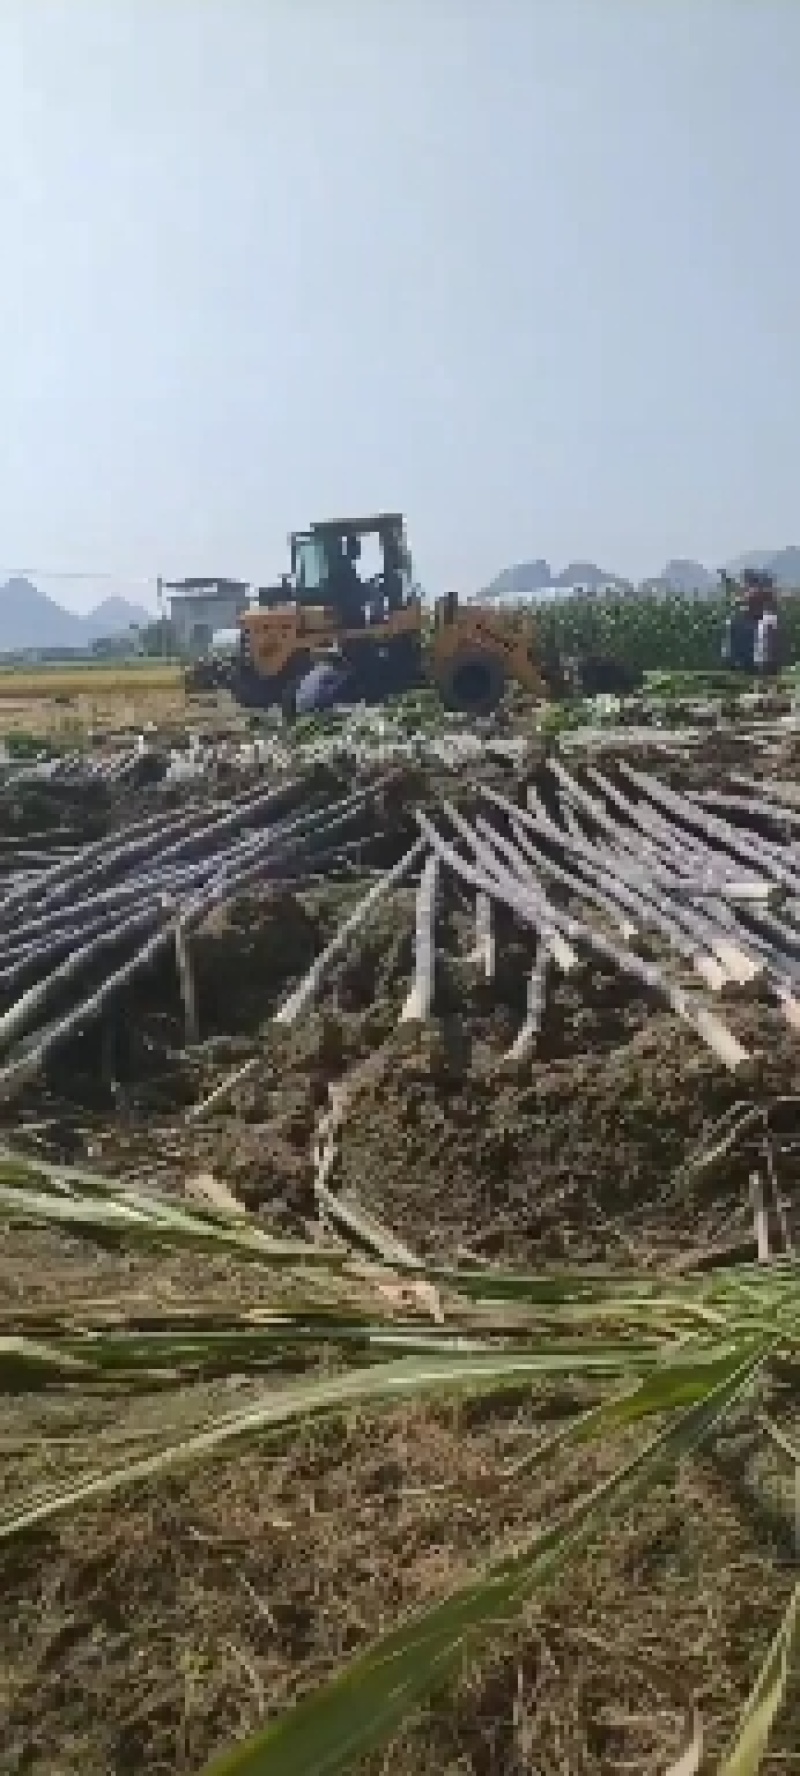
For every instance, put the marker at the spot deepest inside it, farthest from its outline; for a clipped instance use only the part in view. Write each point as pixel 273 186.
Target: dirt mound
pixel 79 812
pixel 570 1158
pixel 572 1163
pixel 245 955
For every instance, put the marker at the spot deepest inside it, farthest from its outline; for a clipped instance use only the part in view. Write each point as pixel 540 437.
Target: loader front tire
pixel 472 682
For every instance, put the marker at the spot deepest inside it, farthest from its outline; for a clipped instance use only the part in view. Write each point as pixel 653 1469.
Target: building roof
pixel 213 583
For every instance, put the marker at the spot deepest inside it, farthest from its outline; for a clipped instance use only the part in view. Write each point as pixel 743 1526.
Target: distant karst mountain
pixel 688 576
pixel 681 574
pixel 587 573
pixel 29 619
pixel 112 616
pixel 529 577
pixel 785 565
pixel 692 576
pixel 750 558
pixel 522 580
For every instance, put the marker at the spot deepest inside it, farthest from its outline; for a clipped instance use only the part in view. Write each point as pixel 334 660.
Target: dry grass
pixel 72 719
pixel 66 704
pixel 150 1631
pixel 84 679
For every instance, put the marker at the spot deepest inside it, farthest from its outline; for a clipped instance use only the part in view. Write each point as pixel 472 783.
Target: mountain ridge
pixel 29 618
pixel 681 573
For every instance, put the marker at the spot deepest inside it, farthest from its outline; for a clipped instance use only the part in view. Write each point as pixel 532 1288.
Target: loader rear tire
pixel 472 683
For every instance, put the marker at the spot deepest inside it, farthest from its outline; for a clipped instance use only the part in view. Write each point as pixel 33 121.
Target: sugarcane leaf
pixel 406 1378
pixel 765 1699
pixel 678 1384
pixel 690 1759
pixel 139 1217
pixel 380 1690
pixel 28 1363
pixel 235 1347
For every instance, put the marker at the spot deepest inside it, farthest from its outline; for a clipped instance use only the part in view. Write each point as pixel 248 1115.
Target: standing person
pixel 347 592
pixel 764 607
pixel 738 647
pixel 765 652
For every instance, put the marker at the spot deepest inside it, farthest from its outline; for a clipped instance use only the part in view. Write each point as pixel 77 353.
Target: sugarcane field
pixel 399 1225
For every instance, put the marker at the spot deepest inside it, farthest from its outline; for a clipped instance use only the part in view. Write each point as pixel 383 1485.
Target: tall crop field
pixel 678 633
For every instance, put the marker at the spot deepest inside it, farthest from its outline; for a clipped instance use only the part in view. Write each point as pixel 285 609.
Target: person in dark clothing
pixel 738 649
pixel 346 591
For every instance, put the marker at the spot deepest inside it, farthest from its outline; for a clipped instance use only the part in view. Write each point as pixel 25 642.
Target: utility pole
pixel 160 602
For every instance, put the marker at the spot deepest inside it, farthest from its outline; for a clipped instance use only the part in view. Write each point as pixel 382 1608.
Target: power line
pixel 49 573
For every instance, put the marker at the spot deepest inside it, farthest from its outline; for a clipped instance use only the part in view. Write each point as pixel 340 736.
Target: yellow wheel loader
pixel 332 633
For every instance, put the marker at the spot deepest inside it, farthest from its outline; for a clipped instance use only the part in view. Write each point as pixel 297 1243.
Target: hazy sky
pixel 527 269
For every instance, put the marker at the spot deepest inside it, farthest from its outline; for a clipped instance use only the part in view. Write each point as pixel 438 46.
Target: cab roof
pixel 378 521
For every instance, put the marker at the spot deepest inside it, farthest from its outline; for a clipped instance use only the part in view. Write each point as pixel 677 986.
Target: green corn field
pixel 678 633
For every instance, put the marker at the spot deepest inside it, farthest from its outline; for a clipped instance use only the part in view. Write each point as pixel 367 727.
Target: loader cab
pixel 358 567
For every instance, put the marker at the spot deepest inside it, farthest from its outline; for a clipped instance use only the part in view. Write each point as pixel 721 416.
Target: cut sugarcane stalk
pixel 525 1041
pixel 188 984
pixel 417 1008
pixel 306 992
pixel 760 1217
pixel 739 965
pixel 483 952
pixel 712 972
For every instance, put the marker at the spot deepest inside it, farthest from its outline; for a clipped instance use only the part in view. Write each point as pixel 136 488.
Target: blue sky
pixel 527 269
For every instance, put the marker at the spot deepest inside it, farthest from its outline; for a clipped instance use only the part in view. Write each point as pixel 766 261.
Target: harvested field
pixel 54 681
pixel 507 1140
pixel 74 704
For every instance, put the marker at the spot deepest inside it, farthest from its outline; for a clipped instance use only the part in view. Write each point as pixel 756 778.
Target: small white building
pixel 198 608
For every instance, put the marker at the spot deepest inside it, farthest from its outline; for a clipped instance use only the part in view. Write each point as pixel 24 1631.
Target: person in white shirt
pixel 765 650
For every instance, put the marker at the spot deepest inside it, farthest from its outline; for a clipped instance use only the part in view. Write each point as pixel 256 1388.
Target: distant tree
pixel 158 639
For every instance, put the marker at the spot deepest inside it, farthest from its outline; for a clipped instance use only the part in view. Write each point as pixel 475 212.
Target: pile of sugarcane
pixel 624 871
pixel 21 859
pixel 107 910
pixel 78 768
pixel 657 884
pixel 613 862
